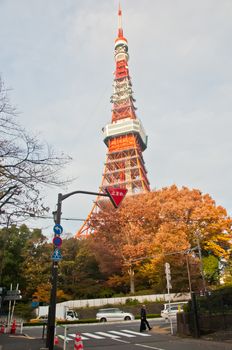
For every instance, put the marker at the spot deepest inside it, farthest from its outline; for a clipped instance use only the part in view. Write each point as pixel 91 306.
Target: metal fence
pixel 206 313
pixel 214 310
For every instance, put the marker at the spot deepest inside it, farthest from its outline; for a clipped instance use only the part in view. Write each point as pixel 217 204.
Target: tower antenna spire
pixel 120 30
pixel 124 137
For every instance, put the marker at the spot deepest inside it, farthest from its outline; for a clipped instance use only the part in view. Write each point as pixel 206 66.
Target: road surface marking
pixel 122 341
pixel 108 335
pixel 29 337
pixel 123 334
pixel 74 336
pixel 149 347
pixel 67 338
pixel 136 333
pixel 92 335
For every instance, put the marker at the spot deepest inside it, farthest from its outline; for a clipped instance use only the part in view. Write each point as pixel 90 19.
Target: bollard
pixel 78 345
pixel 13 327
pixel 56 340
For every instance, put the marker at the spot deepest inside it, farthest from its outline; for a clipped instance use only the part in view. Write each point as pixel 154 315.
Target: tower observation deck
pixel 125 136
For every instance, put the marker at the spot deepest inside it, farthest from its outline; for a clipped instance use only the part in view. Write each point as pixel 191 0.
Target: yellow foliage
pixel 159 223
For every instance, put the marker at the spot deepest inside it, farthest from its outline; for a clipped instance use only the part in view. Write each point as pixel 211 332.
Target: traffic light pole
pixel 54 273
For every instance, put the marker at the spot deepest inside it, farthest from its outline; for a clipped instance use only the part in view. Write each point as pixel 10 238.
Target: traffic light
pixel 168 275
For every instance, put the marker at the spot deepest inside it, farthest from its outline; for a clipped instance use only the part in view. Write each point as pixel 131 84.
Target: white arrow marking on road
pixel 136 333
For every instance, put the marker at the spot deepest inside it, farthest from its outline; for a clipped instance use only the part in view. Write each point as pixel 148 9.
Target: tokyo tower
pixel 125 136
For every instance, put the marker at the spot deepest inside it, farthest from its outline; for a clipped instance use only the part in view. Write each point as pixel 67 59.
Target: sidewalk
pixel 222 336
pixel 22 342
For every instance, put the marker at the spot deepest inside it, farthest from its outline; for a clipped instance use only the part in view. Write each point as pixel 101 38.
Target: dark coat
pixel 143 313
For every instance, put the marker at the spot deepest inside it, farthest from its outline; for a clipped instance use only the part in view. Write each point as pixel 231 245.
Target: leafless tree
pixel 26 165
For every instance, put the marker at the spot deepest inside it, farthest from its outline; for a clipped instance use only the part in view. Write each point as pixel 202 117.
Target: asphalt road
pixel 126 336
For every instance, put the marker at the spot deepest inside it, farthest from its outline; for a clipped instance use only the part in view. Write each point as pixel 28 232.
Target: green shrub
pixel 137 317
pixel 24 311
pixel 90 320
pixel 130 301
pixel 86 320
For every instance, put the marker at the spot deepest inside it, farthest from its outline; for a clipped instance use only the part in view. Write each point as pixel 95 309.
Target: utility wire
pixel 185 251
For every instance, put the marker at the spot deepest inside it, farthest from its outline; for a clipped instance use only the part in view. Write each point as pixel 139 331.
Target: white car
pixel 171 310
pixel 113 314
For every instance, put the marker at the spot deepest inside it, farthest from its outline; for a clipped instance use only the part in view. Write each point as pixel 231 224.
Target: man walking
pixel 144 322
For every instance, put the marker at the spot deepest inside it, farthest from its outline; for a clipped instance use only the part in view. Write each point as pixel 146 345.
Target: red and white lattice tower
pixel 124 137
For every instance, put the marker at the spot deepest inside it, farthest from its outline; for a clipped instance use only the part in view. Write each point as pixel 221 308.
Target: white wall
pixel 122 300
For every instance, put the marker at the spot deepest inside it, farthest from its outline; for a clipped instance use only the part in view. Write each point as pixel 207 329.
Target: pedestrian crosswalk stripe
pixel 103 335
pixel 108 335
pixel 74 336
pixel 93 335
pixel 123 334
pixel 67 338
pixel 136 333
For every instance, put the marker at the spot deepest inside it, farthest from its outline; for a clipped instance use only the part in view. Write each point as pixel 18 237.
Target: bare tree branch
pixel 26 164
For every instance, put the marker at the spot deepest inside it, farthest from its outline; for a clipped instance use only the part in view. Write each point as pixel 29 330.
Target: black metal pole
pixel 54 274
pixel 52 307
pixel 43 333
pixel 201 264
pixel 189 276
pixel 195 316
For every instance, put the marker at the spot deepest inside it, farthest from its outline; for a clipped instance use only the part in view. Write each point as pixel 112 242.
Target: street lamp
pixel 116 195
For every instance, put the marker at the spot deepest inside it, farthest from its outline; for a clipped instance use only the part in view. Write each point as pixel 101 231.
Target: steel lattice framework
pixel 124 137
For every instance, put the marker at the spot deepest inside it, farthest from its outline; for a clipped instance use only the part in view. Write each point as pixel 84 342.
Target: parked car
pixel 170 310
pixel 113 314
pixel 40 319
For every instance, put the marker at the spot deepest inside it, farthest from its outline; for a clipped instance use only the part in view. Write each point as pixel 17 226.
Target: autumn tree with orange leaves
pixel 168 225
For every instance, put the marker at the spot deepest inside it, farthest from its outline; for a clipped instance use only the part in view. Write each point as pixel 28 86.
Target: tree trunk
pixel 132 280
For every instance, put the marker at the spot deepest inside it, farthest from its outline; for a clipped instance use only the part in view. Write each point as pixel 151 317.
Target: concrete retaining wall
pixel 122 300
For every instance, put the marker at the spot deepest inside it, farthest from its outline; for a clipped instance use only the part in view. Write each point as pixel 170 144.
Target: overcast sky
pixel 58 58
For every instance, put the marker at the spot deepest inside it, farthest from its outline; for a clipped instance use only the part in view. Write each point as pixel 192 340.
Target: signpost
pixel 13 292
pixel 34 304
pixel 57 255
pixel 13 295
pixel 116 196
pixel 57 241
pixel 57 229
pixel 169 286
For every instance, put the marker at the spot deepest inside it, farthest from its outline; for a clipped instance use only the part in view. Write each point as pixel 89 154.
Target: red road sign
pixel 116 195
pixel 57 241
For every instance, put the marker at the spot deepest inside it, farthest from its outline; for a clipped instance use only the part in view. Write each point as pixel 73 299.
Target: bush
pixel 90 320
pixel 130 301
pixel 24 311
pixel 137 317
pixel 144 292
